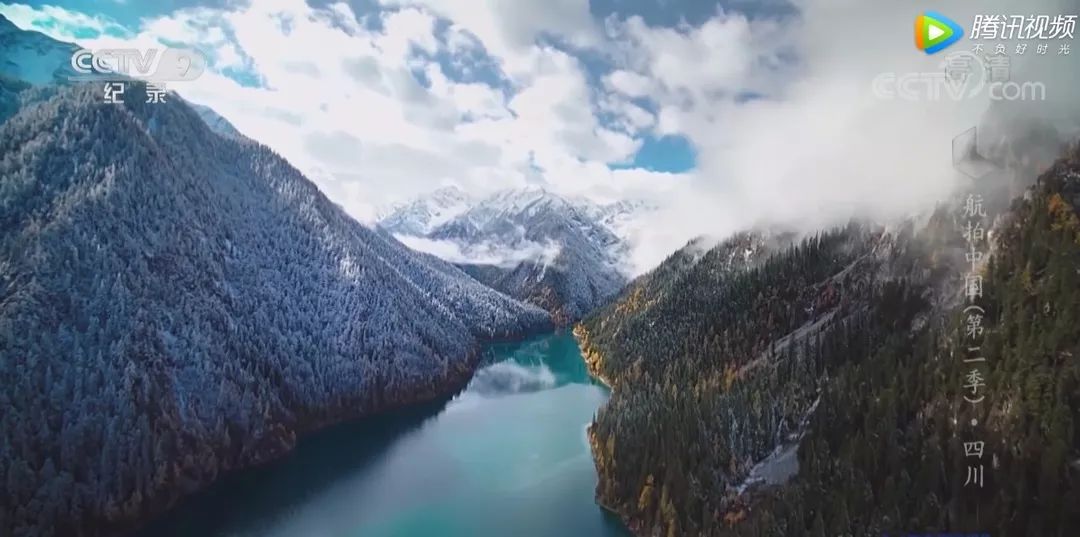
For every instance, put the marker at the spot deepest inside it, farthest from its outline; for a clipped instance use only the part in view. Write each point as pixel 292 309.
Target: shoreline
pixel 160 508
pixel 592 361
pixel 591 358
pixel 288 436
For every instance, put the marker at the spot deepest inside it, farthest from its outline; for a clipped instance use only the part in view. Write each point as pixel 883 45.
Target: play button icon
pixel 934 32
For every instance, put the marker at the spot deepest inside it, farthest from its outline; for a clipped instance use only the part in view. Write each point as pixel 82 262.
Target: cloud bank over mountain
pixel 809 144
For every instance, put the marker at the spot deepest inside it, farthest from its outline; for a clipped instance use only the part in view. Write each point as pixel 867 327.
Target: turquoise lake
pixel 506 457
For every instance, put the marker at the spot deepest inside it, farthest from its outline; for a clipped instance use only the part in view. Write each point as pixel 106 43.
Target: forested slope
pixel 847 350
pixel 174 303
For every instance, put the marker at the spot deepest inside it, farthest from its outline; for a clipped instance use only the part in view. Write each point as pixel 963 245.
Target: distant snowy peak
pixel 510 213
pixel 531 215
pixel 517 201
pixel 422 215
pixel 529 243
pixel 619 216
pixel 512 216
pixel 451 208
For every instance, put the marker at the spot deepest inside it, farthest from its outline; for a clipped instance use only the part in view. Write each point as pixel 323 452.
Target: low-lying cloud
pixel 485 252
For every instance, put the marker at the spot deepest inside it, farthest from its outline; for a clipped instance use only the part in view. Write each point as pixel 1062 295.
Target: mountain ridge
pixel 207 300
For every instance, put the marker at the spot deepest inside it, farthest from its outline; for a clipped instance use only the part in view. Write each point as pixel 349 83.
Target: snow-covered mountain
pixel 215 121
pixel 175 304
pixel 421 216
pixel 619 216
pixel 563 255
pixel 32 56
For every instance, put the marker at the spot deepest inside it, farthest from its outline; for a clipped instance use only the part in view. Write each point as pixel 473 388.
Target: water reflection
pixel 317 463
pixel 507 456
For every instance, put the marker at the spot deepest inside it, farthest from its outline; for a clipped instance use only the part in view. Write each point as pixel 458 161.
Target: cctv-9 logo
pixel 153 65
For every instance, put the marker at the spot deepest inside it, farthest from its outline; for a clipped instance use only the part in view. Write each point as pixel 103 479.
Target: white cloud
pixel 779 111
pixel 629 117
pixel 60 23
pixel 725 55
pixel 816 147
pixel 629 83
pixel 408 28
pixel 509 29
pixel 485 253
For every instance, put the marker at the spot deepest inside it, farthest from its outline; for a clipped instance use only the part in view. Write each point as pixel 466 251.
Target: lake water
pixel 506 457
